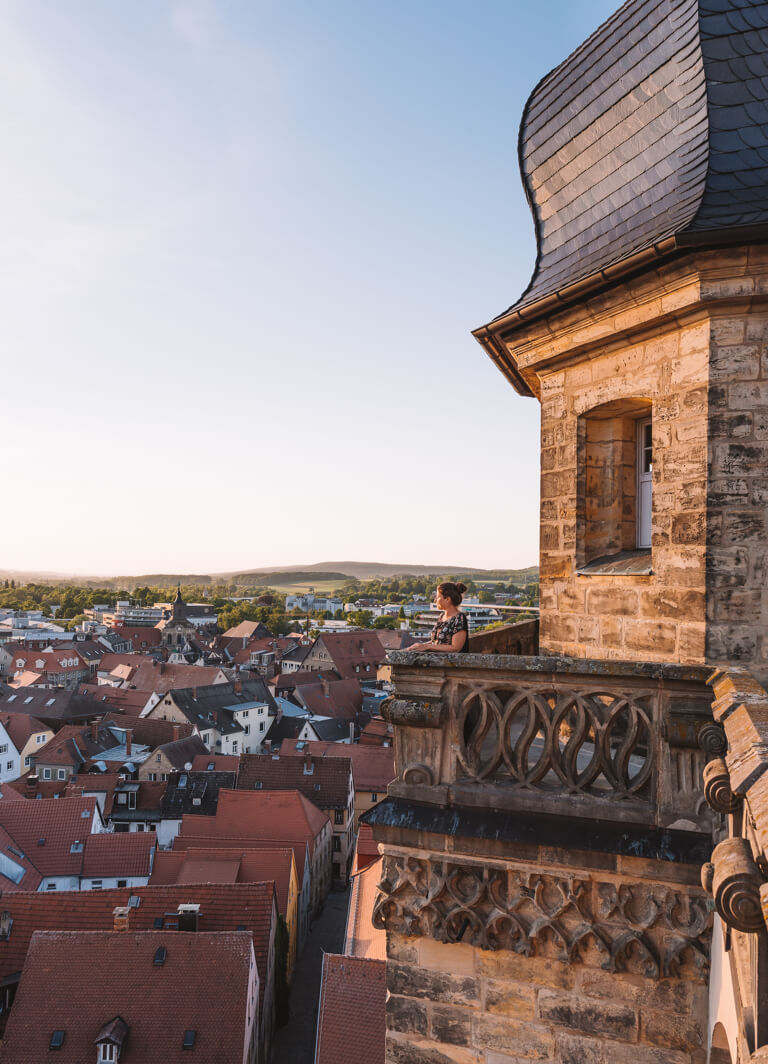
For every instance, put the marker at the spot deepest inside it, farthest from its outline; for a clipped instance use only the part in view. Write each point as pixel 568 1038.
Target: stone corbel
pixel 425 712
pixel 717 787
pixel 734 881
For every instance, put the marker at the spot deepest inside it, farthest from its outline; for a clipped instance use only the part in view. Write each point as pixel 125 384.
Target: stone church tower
pixel 544 839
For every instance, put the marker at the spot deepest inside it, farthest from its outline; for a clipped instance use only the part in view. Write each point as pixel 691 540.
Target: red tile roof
pixel 223 907
pixel 220 762
pixel 373 767
pixel 121 700
pixel 58 823
pixel 332 698
pixel 304 676
pixel 151 731
pixel 237 865
pixel 348 649
pixel 142 639
pixel 298 847
pixel 123 853
pixel 98 976
pixel 367 849
pixel 20 727
pixel 10 878
pixel 351 1022
pixel 269 816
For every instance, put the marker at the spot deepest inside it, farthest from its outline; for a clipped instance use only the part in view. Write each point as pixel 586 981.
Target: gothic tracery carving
pixel 645 928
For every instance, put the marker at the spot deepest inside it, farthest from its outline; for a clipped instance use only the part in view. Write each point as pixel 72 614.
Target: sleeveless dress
pixel 444 631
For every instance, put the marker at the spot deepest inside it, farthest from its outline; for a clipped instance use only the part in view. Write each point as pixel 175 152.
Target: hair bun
pixel 461 588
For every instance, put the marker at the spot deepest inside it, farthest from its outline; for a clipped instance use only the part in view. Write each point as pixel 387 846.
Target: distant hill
pixel 280 575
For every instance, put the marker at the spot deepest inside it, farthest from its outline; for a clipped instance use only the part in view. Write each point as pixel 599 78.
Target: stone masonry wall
pixel 660 617
pixel 456 1004
pixel 737 526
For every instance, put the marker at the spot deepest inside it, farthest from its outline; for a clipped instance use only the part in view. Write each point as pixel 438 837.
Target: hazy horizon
pixel 244 247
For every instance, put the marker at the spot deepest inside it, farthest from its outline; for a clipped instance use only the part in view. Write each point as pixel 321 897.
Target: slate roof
pixel 52 706
pixel 223 907
pixel 101 976
pixel 351 1020
pixel 209 705
pixel 182 752
pixel 195 792
pixel 655 129
pixel 325 782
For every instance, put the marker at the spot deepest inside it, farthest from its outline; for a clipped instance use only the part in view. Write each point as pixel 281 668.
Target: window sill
pixel 625 563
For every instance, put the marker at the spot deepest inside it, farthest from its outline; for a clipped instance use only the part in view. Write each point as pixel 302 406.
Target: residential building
pixel 230 718
pixel 270 818
pixel 326 782
pixel 373 767
pixel 202 909
pixel 74 748
pixel 59 666
pixel 354 655
pixel 239 865
pixel 176 756
pixel 27 735
pixel 136 997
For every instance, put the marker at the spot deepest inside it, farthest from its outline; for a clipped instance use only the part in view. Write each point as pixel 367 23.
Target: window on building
pixel 152 777
pixel 9 765
pixel 336 843
pixel 107 1052
pixel 96 884
pixel 3 748
pixel 338 816
pixel 247 729
pixel 27 761
pixel 374 796
pixel 614 483
pixel 46 773
pixel 40 739
pixel 262 725
pixel 234 747
pixel 61 773
pixel 122 882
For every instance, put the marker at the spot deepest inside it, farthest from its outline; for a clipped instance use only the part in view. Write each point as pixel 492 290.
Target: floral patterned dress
pixel 444 631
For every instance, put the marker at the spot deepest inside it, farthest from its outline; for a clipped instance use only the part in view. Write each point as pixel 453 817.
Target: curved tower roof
pixel 654 131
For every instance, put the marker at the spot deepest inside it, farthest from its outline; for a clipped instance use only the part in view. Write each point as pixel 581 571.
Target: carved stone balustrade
pixel 610 741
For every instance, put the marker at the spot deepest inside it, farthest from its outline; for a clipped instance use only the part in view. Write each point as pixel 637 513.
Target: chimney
pixel 176 732
pixel 194 693
pixel 308 769
pixel 94 731
pixel 32 784
pixel 238 687
pixel 121 918
pixel 351 731
pixel 189 916
pixel 324 686
pixel 267 746
pixel 128 738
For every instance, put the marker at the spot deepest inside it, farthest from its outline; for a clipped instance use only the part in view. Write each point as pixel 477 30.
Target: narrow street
pixel 295 1043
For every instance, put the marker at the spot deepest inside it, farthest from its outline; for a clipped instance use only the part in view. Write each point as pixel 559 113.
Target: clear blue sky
pixel 244 244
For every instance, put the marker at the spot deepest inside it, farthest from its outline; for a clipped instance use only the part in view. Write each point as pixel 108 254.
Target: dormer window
pixel 107 1051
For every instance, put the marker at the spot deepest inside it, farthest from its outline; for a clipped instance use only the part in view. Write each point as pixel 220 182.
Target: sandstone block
pixel 656 638
pixel 456 958
pixel 406 1015
pixel 735 362
pixel 420 982
pixel 526 1040
pixel 727 330
pixel 578 1049
pixel 414 1050
pixel 591 1015
pixel 621 1053
pixel 510 999
pixel 612 600
pixel 672 1030
pixel 533 971
pixel 451 1025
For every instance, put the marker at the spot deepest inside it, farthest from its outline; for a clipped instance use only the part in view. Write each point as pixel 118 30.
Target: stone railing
pixel 522 637
pixel 613 741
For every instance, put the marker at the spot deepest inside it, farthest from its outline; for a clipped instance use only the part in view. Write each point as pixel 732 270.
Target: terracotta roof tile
pixel 325 782
pixel 298 847
pixel 269 816
pixel 237 865
pixel 223 907
pixel 47 830
pixel 121 853
pixel 101 975
pixel 373 767
pixel 351 1021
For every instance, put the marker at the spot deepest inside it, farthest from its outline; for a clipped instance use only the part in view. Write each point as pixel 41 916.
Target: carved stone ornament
pixel 717 787
pixel 645 928
pixel 415 713
pixel 736 883
pixel 712 739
